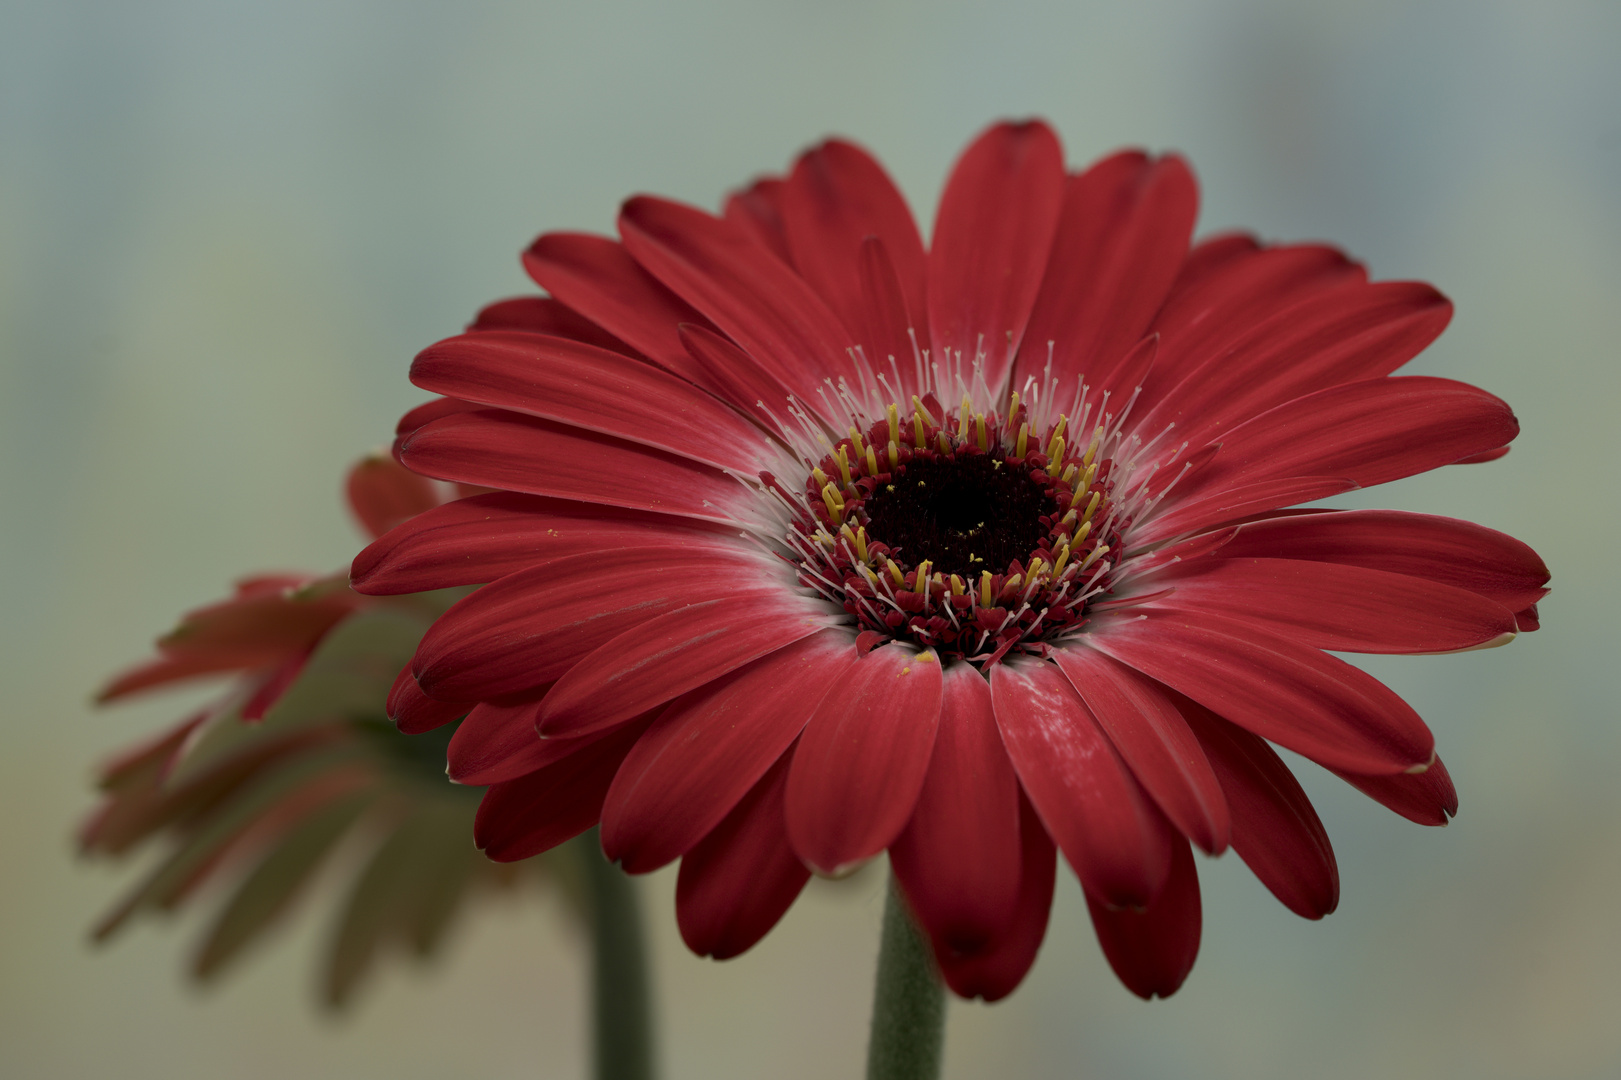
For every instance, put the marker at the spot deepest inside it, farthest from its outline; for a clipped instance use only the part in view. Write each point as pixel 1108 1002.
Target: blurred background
pixel 226 227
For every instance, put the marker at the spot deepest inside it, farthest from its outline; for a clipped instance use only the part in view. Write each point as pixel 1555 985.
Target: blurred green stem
pixel 909 1003
pixel 622 1021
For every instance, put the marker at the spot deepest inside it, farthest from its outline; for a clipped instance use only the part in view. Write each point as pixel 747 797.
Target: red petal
pixel 1526 619
pixel 757 210
pixel 752 297
pixel 1227 290
pixel 892 339
pixel 1152 951
pixel 597 277
pixel 665 657
pixel 382 493
pixel 484 538
pixel 1442 549
pixel 1235 503
pixel 1155 741
pixel 995 970
pixel 710 747
pixel 1275 830
pixel 518 453
pixel 1290 693
pixel 497 743
pixel 742 877
pixel 586 387
pixel 1120 241
pixel 991 238
pixel 837 197
pixel 543 315
pixel 414 712
pixel 427 412
pixel 1427 797
pixel 530 628
pixel 1339 607
pixel 735 377
pixel 524 817
pixel 863 757
pixel 1106 825
pixel 1371 432
pixel 958 860
pixel 1340 336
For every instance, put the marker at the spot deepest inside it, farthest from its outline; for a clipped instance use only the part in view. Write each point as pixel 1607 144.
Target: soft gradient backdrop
pixel 226 227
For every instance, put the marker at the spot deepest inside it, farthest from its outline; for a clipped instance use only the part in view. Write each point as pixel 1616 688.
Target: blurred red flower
pixel 297 766
pixel 813 542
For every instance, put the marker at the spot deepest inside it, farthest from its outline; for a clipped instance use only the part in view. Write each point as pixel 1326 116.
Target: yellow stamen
pixel 920 584
pixel 962 418
pixel 848 535
pixel 843 458
pixel 985 589
pixel 872 462
pixel 1013 409
pixel 820 477
pixel 894 454
pixel 1096 554
pixel 835 503
pixel 1084 481
pixel 894 423
pixel 979 432
pixel 920 436
pixel 942 442
pixel 895 572
pixel 1092 505
pixel 1081 534
pixel 957 585
pixel 1063 558
pixel 855 441
pixel 920 412
pixel 1063 422
pixel 1092 451
pixel 1069 473
pixel 1023 442
pixel 1055 452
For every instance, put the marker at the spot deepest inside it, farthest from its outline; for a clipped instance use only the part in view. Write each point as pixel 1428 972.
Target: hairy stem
pixel 909 1003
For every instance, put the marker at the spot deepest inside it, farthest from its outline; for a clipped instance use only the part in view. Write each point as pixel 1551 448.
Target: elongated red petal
pixel 520 453
pixel 545 315
pixel 863 757
pixel 1443 549
pixel 596 276
pixel 1163 753
pixel 496 743
pixel 742 877
pixel 1334 606
pixel 1152 951
pixel 530 628
pixel 734 376
pixel 991 239
pixel 1120 241
pixel 958 859
pixel 484 538
pixel 1371 432
pixel 665 657
pixel 1226 290
pixel 1339 336
pixel 1105 824
pixel 414 712
pixel 752 297
pixel 1275 830
pixel 1236 503
pixel 591 388
pixel 757 210
pixel 534 813
pixel 382 493
pixel 1289 693
pixel 1427 797
pixel 995 969
pixel 836 198
pixel 709 748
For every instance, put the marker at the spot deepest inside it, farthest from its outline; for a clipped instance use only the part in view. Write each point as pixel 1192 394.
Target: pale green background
pixel 225 228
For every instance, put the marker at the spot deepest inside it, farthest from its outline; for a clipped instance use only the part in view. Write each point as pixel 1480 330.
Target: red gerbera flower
pixel 814 542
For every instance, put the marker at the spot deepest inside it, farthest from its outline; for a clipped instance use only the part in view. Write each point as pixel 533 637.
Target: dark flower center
pixel 966 515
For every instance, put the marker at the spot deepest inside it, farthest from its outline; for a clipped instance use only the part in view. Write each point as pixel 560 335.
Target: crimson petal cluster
pixel 806 541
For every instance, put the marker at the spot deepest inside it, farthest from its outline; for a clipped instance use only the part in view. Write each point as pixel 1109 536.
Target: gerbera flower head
pixel 812 541
pixel 295 767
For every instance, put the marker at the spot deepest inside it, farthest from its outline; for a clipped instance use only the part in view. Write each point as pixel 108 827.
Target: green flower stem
pixel 622 1015
pixel 909 1003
